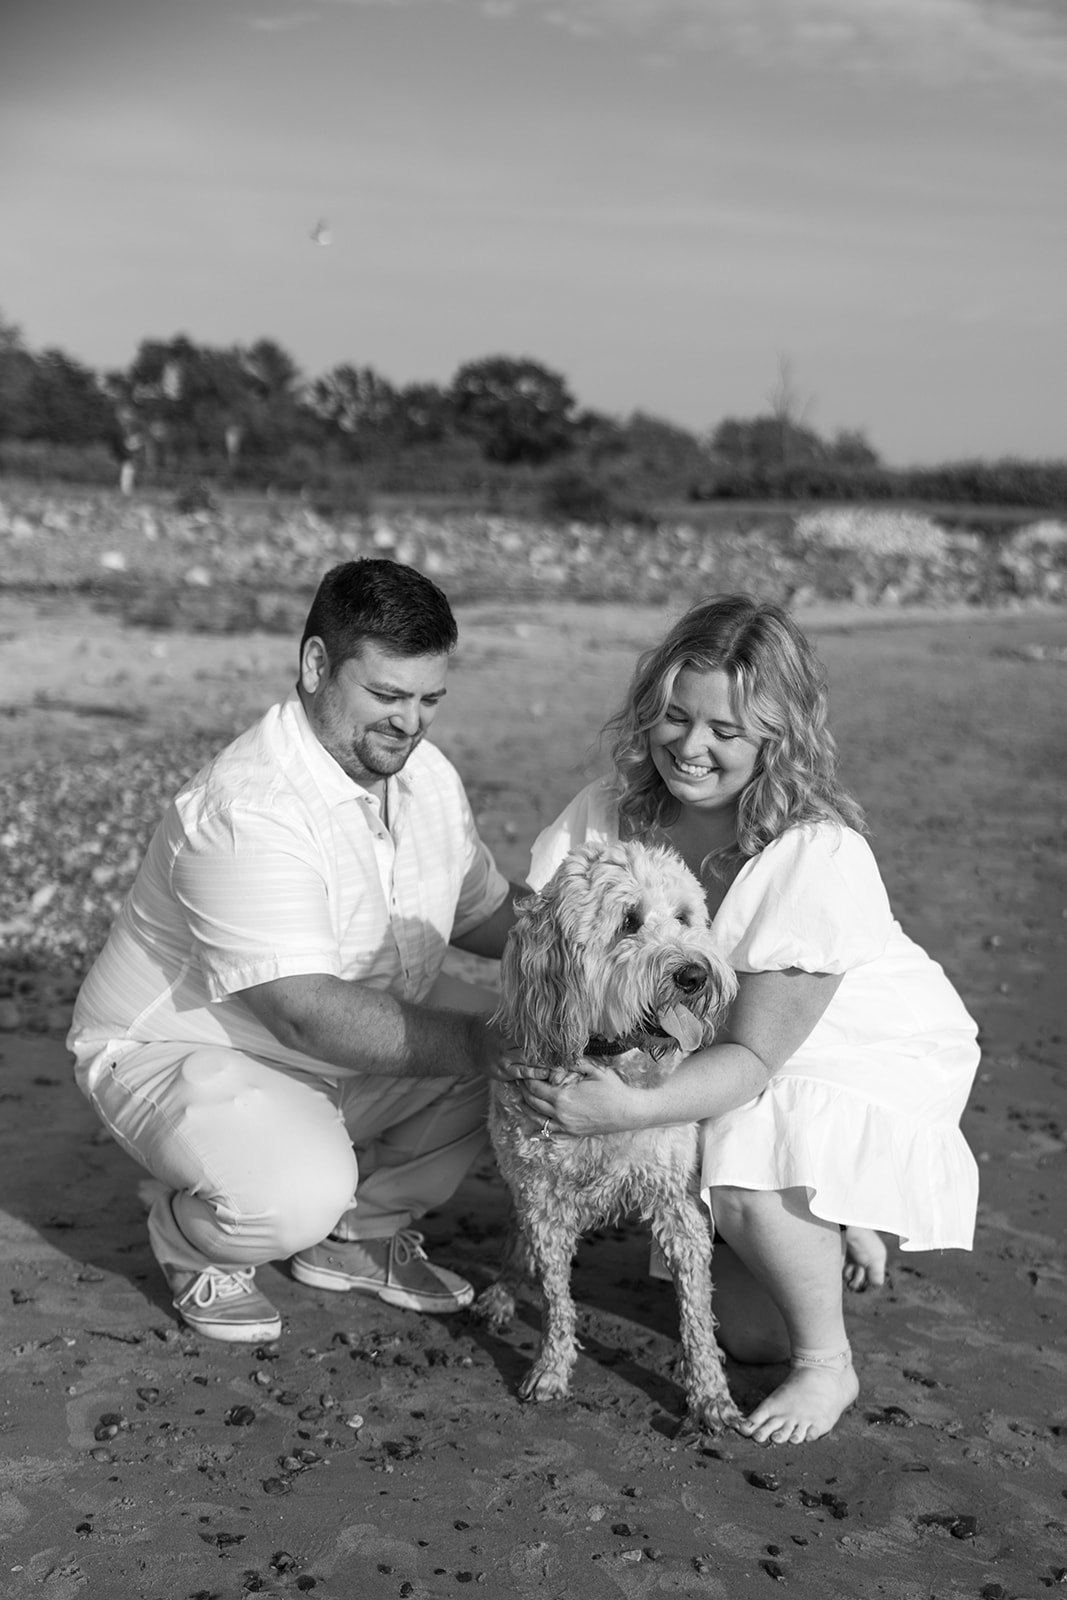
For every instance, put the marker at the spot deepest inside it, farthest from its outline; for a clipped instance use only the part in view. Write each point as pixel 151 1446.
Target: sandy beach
pixel 371 1452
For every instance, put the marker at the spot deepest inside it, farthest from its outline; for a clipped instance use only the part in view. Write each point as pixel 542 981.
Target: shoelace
pixel 407 1246
pixel 213 1285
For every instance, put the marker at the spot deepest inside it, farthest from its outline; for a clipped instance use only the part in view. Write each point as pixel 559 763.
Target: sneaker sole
pixel 342 1283
pixel 410 1302
pixel 236 1332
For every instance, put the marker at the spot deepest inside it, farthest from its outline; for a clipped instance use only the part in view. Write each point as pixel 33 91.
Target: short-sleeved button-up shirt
pixel 271 863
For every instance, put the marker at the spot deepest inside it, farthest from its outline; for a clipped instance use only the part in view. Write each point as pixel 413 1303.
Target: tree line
pixel 247 417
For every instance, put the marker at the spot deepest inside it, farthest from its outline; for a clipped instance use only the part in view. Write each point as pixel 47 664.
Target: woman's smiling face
pixel 699 746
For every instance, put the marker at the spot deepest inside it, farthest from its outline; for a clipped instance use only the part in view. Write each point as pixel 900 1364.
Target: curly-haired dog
pixel 612 959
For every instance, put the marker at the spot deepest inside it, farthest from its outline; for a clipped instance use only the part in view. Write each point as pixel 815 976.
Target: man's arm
pixel 487 939
pixel 368 1030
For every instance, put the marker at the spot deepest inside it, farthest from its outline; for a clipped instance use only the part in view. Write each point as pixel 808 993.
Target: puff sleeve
pixel 812 899
pixel 592 814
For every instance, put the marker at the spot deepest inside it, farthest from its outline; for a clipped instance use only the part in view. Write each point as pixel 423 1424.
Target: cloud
pixel 947 41
pixel 934 40
pixel 938 40
pixel 281 24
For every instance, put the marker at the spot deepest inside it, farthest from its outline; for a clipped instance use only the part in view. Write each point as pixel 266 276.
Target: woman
pixel 830 1105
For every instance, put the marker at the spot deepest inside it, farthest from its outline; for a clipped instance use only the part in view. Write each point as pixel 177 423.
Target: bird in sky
pixel 320 233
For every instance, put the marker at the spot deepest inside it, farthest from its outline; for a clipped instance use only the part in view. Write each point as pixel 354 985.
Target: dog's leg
pixel 553 1238
pixel 682 1232
pixel 495 1306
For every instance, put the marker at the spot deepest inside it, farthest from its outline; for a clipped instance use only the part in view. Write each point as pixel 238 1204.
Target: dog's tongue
pixel 682 1026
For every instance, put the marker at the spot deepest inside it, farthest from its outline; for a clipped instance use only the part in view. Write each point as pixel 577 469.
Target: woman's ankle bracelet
pixel 826 1360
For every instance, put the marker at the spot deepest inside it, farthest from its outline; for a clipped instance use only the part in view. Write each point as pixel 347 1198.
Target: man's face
pixel 372 712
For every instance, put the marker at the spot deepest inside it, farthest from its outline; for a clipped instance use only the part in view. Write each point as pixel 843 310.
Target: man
pixel 266 1029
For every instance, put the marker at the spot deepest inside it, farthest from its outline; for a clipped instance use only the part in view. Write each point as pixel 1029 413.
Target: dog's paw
pixel 495 1307
pixel 542 1384
pixel 711 1415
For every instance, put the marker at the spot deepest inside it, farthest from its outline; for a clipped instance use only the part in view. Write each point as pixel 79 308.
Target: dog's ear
pixel 541 1005
pixel 724 992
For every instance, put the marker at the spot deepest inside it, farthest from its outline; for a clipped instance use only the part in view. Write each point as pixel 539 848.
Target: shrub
pixel 58 463
pixel 196 496
pixel 572 495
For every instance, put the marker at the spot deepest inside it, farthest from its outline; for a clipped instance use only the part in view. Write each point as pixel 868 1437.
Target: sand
pixel 372 1452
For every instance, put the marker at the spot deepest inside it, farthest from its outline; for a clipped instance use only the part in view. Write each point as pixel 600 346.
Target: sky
pixel 668 202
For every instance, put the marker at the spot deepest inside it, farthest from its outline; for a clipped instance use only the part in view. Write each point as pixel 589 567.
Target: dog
pixel 613 958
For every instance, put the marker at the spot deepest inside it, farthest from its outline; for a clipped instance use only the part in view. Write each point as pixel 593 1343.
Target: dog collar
pixel 599 1046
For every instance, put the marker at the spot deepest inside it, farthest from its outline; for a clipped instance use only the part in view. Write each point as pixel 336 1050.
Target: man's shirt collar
pixel 333 783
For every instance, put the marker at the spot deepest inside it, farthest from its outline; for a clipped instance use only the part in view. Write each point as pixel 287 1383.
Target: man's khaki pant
pixel 261 1161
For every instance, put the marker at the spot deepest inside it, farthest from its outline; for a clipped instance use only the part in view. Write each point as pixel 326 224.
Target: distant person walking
pixel 266 1029
pixel 830 1107
pixel 129 451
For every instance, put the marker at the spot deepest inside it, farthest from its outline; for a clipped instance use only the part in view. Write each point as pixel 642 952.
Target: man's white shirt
pixel 273 863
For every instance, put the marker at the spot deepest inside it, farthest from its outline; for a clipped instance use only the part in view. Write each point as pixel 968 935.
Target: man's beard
pixel 383 757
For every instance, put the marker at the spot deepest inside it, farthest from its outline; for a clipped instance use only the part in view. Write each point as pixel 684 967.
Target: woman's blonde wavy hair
pixel 780 697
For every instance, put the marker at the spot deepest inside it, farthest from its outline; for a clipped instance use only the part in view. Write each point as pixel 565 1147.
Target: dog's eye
pixel 631 923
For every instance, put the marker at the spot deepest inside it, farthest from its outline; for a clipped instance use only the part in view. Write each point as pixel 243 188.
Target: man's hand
pixel 498 1056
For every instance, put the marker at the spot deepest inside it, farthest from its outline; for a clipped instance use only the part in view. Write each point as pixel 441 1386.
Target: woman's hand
pixel 512 1069
pixel 592 1100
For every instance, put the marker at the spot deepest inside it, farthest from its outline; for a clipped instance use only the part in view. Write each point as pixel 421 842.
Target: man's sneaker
pixel 224 1305
pixel 395 1269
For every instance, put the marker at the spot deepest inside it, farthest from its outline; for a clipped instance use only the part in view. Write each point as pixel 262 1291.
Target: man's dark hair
pixel 397 607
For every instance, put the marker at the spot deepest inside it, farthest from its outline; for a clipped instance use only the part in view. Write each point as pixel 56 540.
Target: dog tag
pixel 682 1026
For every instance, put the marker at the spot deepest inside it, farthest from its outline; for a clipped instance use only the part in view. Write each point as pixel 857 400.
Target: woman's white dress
pixel 866 1114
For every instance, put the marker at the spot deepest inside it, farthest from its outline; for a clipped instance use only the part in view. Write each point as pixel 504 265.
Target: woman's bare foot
pixel 806 1406
pixel 865 1259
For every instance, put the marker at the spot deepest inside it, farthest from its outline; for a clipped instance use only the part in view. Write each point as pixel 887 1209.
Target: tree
pixel 272 373
pixel 637 463
pixel 850 447
pixel 10 335
pixel 790 413
pixel 180 397
pixel 196 402
pixel 65 403
pixel 598 436
pixel 17 371
pixel 762 444
pixel 353 401
pixel 271 414
pixel 423 413
pixel 517 410
pixel 661 455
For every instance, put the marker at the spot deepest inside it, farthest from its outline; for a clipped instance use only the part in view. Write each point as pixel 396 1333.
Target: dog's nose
pixel 691 978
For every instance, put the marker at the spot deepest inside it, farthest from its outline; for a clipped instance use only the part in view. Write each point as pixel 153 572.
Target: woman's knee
pixel 730 1207
pixel 733 1207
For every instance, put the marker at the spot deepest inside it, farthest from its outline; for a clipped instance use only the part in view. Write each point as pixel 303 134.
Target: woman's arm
pixel 773 1014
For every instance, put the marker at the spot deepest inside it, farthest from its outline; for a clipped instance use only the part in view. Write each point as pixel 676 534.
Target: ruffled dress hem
pixel 862 1163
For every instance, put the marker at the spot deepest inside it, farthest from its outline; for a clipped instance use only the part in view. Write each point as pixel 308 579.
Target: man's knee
pixel 294 1205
